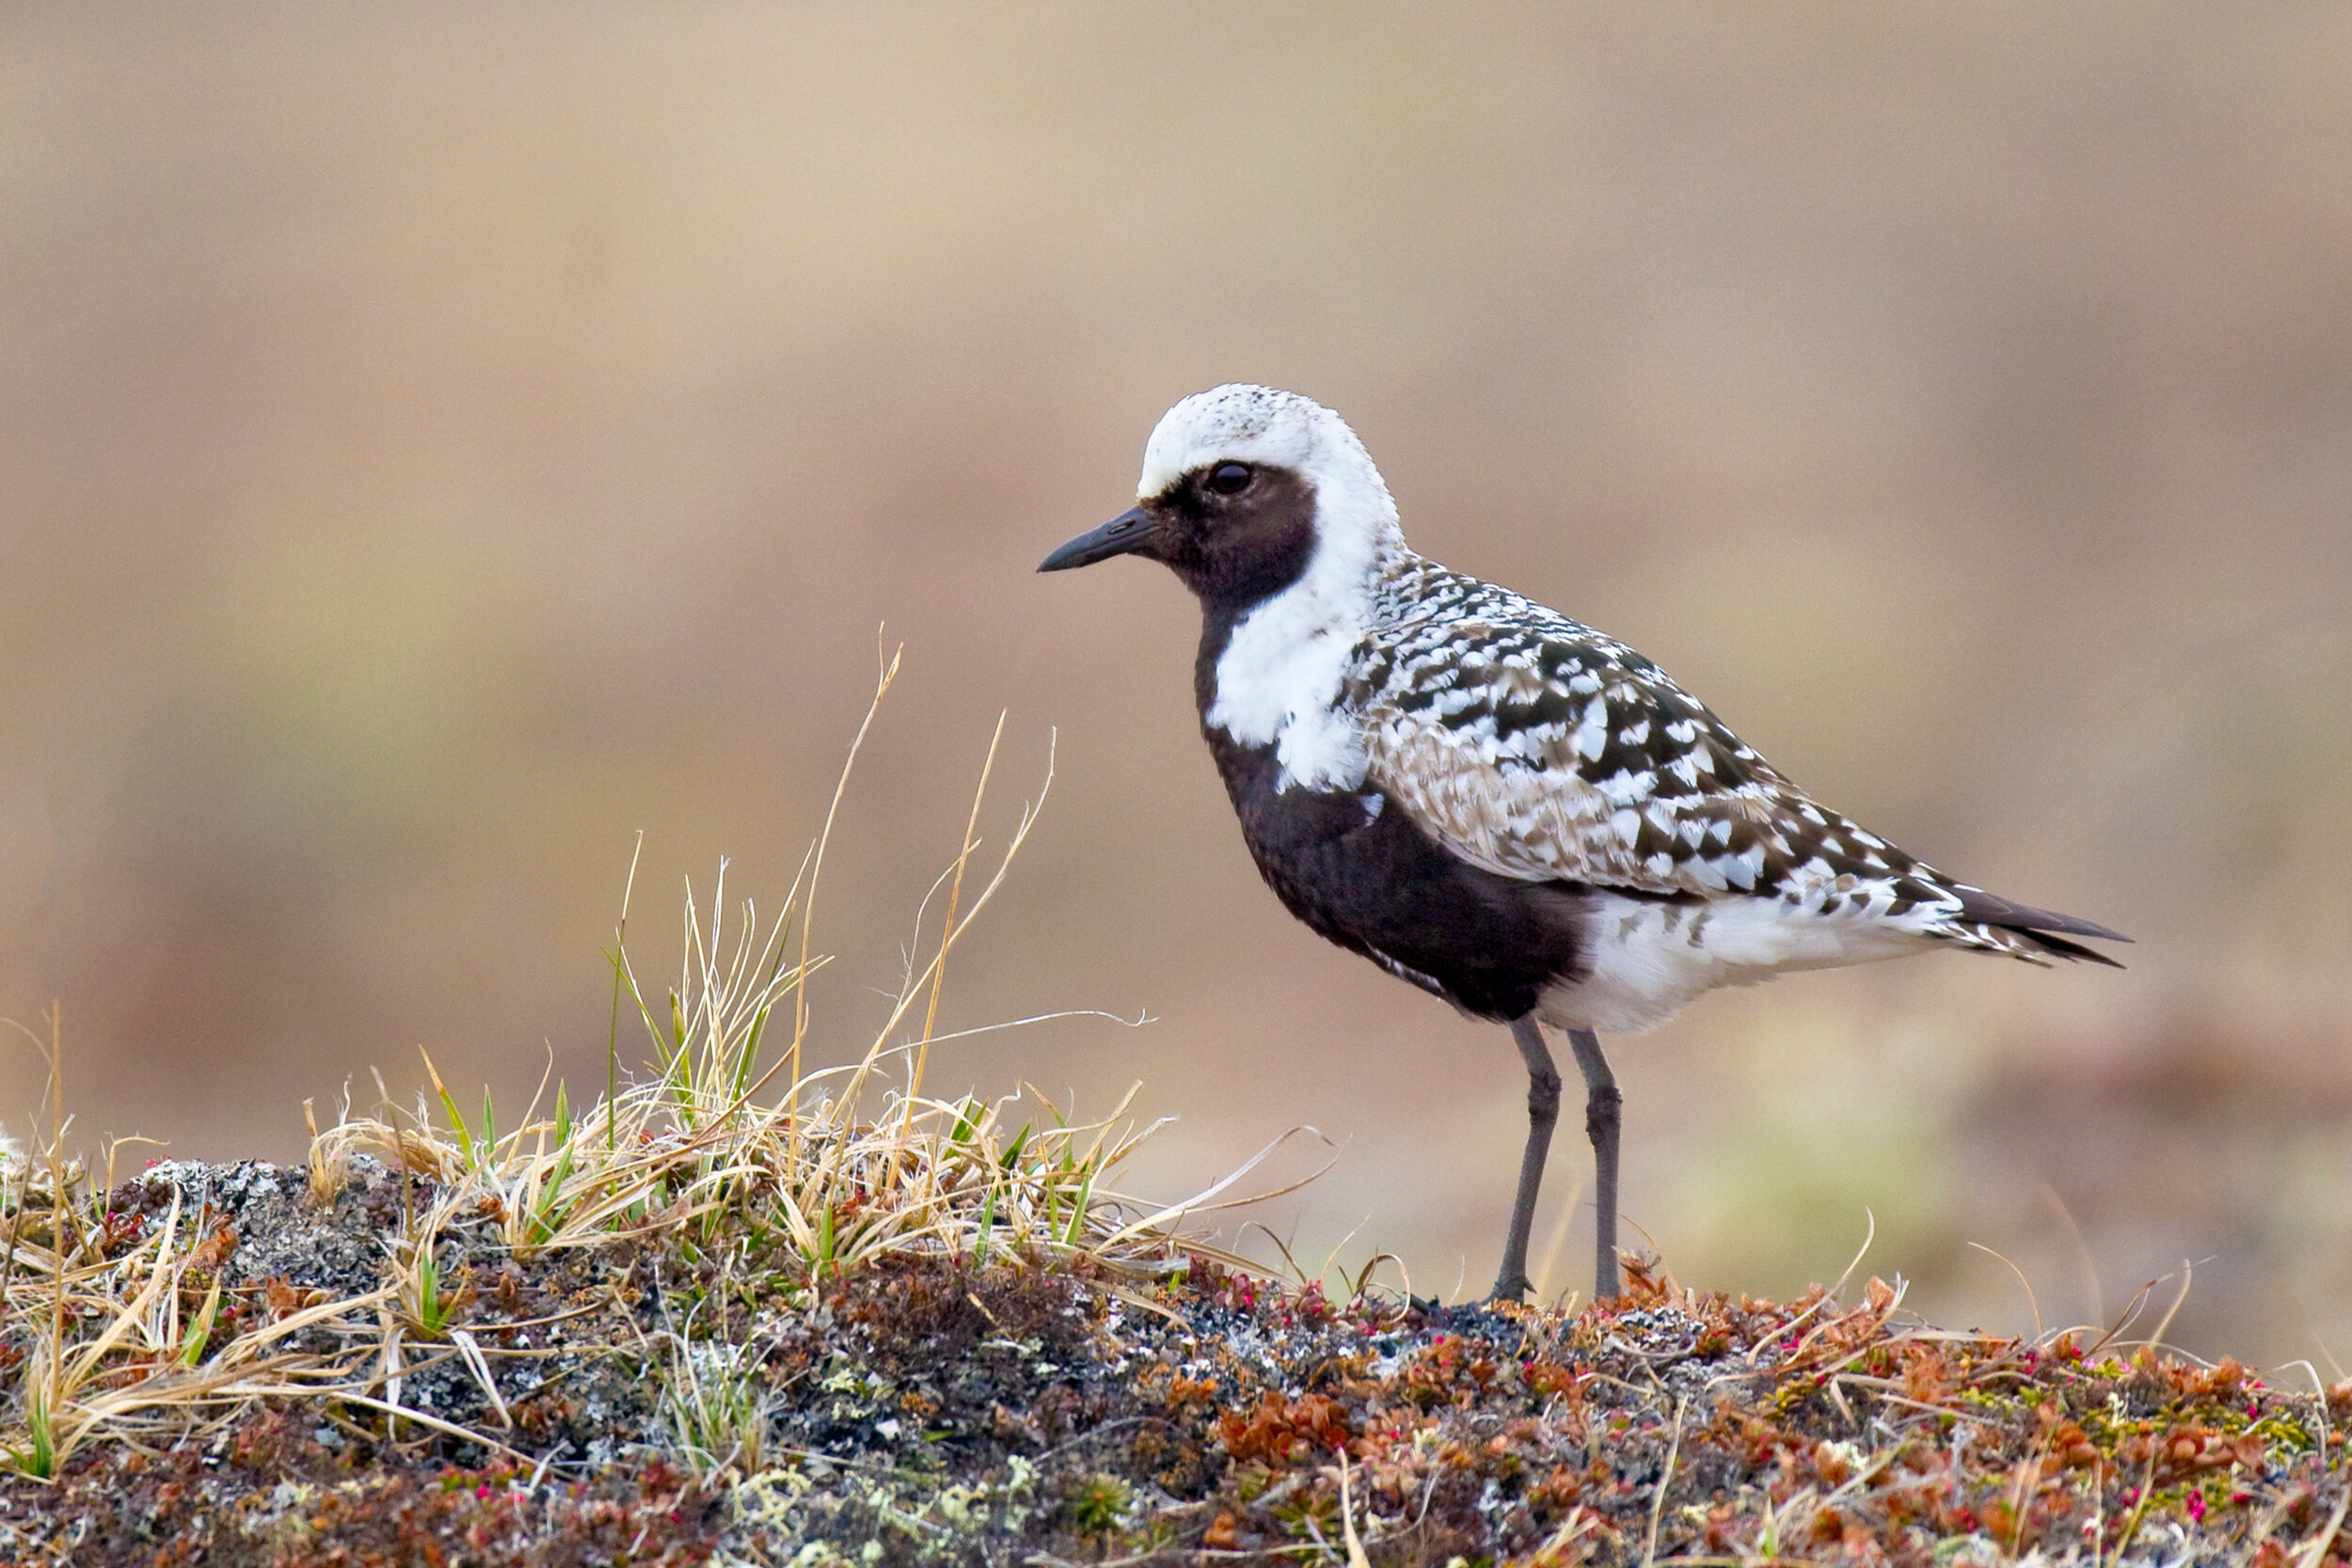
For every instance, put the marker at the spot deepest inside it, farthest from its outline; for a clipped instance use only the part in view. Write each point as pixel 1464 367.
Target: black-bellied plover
pixel 1489 799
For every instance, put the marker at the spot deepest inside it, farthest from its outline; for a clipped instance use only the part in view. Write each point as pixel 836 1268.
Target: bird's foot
pixel 1513 1290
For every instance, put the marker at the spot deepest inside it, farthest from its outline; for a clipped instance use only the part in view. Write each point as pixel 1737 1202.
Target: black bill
pixel 1131 531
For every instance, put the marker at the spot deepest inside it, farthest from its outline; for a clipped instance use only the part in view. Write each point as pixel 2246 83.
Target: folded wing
pixel 1536 748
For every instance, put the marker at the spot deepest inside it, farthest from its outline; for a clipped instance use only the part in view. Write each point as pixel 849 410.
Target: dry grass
pixel 725 1140
pixel 125 1341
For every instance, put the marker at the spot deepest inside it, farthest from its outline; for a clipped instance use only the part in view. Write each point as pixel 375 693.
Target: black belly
pixel 1373 882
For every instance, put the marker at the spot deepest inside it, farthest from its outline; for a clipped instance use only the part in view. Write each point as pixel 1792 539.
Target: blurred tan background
pixel 437 443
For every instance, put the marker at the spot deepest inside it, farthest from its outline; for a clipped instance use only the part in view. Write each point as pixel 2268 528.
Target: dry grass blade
pixel 824 837
pixel 955 891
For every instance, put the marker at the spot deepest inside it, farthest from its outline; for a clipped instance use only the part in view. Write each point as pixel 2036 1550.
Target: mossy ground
pixel 669 1400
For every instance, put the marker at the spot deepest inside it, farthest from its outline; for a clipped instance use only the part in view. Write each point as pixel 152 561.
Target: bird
pixel 1491 801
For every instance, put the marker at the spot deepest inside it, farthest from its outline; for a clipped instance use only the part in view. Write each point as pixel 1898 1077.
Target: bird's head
pixel 1242 488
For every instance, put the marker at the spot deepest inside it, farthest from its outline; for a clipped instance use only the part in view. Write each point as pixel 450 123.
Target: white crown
pixel 1241 423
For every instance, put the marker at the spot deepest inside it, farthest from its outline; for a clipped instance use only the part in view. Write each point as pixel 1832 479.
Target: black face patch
pixel 1235 549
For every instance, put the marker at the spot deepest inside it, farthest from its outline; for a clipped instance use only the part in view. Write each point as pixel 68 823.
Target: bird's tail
pixel 1991 922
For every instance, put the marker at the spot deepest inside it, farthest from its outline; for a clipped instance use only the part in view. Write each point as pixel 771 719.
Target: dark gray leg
pixel 1543 1110
pixel 1601 1104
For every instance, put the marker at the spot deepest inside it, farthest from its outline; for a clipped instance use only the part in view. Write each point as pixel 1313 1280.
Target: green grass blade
pixel 198 1336
pixel 431 1311
pixel 457 1123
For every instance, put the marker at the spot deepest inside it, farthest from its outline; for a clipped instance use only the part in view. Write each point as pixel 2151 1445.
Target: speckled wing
pixel 1536 748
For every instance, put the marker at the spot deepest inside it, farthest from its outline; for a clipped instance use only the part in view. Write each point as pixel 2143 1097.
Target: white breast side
pixel 1280 677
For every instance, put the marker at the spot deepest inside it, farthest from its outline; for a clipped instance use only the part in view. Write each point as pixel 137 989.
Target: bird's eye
pixel 1229 479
